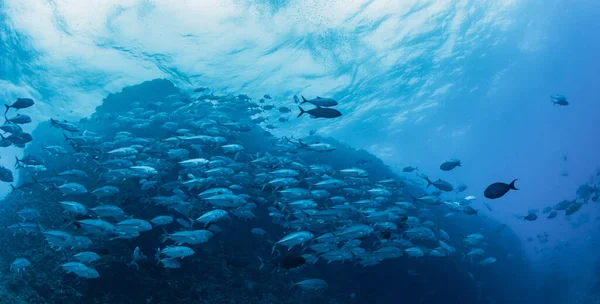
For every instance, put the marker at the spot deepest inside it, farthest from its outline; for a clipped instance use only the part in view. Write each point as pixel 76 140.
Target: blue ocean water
pixel 417 82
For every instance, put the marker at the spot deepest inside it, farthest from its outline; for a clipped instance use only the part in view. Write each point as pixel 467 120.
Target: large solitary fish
pixel 498 190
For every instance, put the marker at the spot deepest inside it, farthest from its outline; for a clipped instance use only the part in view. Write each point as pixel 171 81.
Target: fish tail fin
pixel 301 111
pixel 512 184
pixel 429 183
pixel 262 263
pixel 134 264
pixel 7 108
pixel 303 100
pixel 164 236
pixel 17 161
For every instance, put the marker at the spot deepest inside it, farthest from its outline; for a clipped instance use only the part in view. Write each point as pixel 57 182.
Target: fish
pixel 212 216
pixel 469 210
pixel 175 252
pixel 97 226
pixel 450 164
pixel 20 119
pixel 311 284
pixel 19 265
pixel 202 170
pixel 559 99
pixel 20 103
pixel 487 261
pixel 72 189
pixel 64 125
pixel 320 112
pixel 294 239
pixel 574 207
pixel 136 256
pixel 87 257
pixel 320 102
pixel 81 270
pixel 499 189
pixel 410 169
pixel 440 184
pixel 162 220
pixel 6 175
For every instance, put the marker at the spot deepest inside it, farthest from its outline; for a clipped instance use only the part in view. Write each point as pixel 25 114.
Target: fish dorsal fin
pixel 319 97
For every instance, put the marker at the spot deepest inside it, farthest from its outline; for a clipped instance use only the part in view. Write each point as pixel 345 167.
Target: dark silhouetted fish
pixel 574 207
pixel 321 112
pixel 440 184
pixel 320 102
pixel 560 100
pixel 450 164
pixel 21 103
pixel 498 190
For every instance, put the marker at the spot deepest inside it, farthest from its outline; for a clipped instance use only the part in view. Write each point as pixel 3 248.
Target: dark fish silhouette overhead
pixel 321 112
pixel 498 190
pixel 320 102
pixel 21 103
pixel 20 119
pixel 450 164
pixel 560 100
